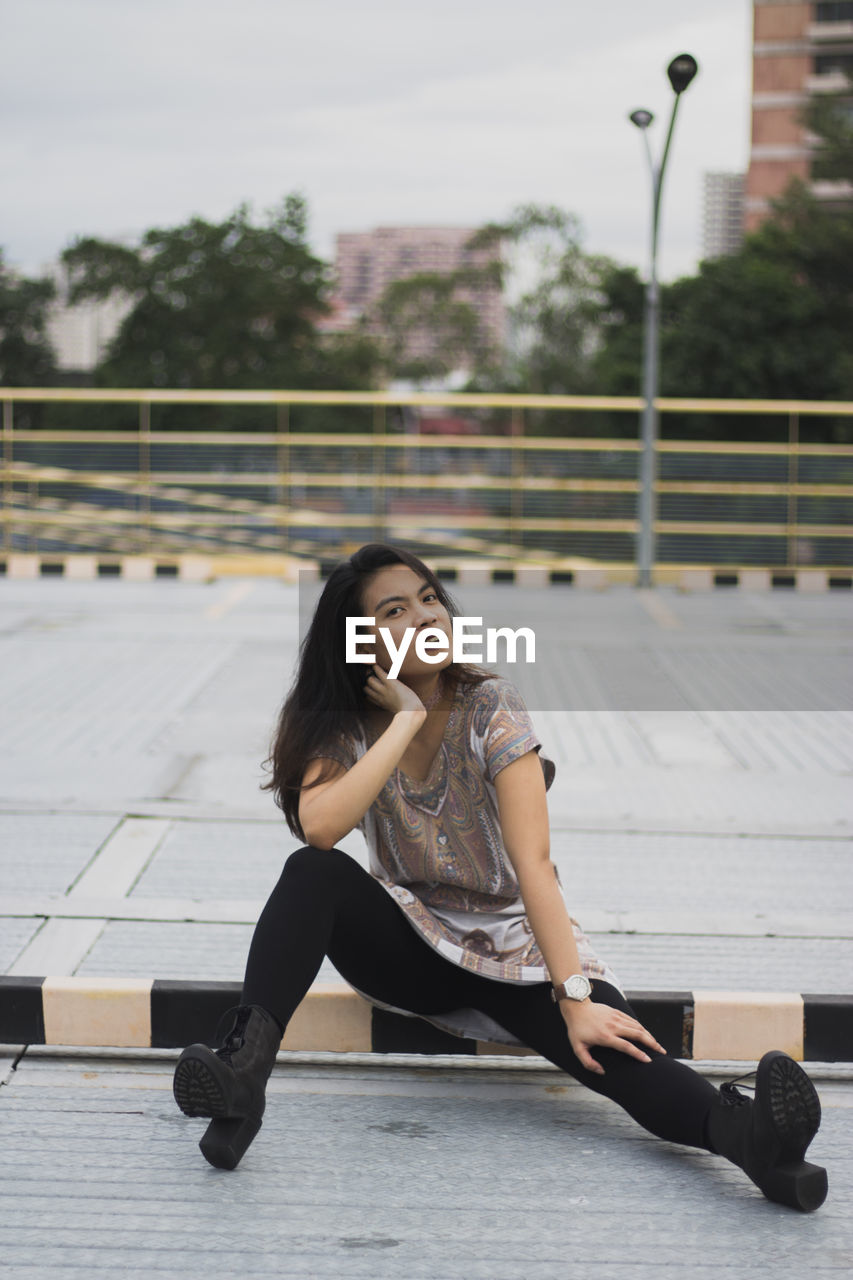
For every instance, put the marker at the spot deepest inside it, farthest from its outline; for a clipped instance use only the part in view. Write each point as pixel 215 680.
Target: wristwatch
pixel 577 987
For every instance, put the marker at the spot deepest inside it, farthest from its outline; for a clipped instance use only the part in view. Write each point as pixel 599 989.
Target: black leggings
pixel 325 903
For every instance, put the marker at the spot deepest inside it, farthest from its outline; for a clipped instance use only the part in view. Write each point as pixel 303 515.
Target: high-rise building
pixel 80 334
pixel 799 50
pixel 722 224
pixel 367 262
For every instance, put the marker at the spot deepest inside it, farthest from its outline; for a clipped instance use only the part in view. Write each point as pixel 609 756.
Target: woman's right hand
pixel 391 695
pixel 590 1024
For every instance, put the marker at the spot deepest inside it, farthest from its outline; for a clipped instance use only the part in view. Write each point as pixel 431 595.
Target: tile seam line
pixel 212 918
pixel 41 811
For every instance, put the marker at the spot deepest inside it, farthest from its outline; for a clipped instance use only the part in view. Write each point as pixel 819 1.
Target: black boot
pixel 767 1136
pixel 230 1084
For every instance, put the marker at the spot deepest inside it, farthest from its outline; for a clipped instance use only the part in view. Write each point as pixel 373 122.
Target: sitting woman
pixel 461 919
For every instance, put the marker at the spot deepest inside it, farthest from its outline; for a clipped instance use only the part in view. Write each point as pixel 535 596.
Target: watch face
pixel 578 986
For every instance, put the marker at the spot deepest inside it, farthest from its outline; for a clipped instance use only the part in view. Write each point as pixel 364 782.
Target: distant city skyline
pixel 384 114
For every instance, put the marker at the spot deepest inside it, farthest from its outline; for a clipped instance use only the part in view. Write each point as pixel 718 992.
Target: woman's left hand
pixel 589 1024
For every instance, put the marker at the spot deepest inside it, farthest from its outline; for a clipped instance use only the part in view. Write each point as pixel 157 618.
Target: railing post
pixel 516 493
pixel 145 473
pixel 379 475
pixel 33 529
pixel 285 497
pixel 8 439
pixel 793 474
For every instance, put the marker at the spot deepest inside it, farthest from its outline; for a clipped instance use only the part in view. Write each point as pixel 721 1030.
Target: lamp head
pixel 641 118
pixel 681 71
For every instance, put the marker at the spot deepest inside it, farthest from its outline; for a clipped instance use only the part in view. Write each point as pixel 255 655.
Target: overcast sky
pixel 125 114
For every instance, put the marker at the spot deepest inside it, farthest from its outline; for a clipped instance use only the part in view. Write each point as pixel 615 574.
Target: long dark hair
pixel 326 700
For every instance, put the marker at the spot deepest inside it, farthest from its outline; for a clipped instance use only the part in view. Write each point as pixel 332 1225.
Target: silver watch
pixel 577 987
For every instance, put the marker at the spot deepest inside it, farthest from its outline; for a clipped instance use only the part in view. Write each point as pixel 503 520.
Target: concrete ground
pixel 702 818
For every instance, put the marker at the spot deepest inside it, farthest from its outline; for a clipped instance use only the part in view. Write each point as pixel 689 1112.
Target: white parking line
pixel 62 944
pixel 237 593
pixel 656 609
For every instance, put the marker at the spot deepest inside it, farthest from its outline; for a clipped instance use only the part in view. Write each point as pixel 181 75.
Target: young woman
pixel 461 919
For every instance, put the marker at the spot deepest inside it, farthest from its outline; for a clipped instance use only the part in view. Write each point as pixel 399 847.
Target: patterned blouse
pixel 436 847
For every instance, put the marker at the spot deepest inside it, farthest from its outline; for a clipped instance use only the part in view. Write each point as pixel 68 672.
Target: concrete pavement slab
pixel 704 841
pixel 431 1171
pixel 702 820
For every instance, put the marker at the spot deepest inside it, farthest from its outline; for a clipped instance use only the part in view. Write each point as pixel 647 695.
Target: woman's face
pixel 397 598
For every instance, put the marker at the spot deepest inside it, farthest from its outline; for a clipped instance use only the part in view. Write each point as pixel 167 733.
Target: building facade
pixel 81 334
pixel 367 262
pixel 799 50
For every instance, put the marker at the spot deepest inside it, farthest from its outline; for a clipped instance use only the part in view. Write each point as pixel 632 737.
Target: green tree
pixel 829 116
pixel 220 305
pixel 430 329
pixel 772 321
pixel 555 321
pixel 616 366
pixel 26 356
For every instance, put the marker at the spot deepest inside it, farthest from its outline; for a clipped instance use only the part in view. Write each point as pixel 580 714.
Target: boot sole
pixel 794 1102
pixel 198 1093
pixel 195 1086
pixel 795 1110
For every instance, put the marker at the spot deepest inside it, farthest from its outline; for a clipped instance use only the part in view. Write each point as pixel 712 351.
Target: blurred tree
pixel 431 329
pixel 555 319
pixel 616 366
pixel 220 305
pixel 773 321
pixel 829 117
pixel 566 306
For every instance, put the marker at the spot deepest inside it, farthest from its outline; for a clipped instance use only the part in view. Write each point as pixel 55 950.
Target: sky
pixel 121 115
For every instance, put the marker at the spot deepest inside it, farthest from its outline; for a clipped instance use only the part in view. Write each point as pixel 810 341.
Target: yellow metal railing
pixel 505 494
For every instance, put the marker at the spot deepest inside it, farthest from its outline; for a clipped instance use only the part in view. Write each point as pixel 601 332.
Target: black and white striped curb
pixel 164 1014
pixel 200 568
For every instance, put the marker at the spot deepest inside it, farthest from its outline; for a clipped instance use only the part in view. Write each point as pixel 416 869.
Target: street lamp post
pixel 680 71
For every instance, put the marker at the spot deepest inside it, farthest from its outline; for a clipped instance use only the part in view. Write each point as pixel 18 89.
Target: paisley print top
pixel 436 847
